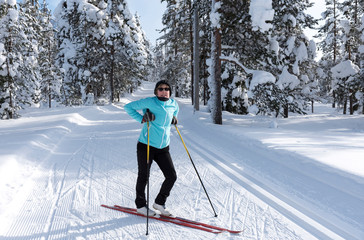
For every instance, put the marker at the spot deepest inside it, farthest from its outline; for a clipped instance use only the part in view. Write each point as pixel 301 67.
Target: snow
pixel 301 54
pixel 11 2
pixel 261 11
pixel 274 46
pixel 344 69
pixel 13 14
pixel 215 15
pixel 295 178
pixel 261 77
pixel 287 80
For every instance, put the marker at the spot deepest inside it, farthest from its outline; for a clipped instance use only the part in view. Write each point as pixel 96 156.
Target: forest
pixel 240 56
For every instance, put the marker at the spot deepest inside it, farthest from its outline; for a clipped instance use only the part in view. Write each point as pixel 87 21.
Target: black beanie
pixel 160 83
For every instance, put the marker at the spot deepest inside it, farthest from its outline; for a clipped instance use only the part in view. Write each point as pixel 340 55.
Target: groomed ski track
pixel 79 158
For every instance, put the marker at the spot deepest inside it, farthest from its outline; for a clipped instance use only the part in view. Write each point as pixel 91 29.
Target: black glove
pixel 148 117
pixel 174 120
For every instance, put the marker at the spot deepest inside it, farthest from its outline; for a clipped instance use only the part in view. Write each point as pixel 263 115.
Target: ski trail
pixel 313 223
pixel 89 158
pixel 56 200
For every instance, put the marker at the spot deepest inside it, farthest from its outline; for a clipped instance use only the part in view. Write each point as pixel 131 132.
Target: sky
pixel 151 11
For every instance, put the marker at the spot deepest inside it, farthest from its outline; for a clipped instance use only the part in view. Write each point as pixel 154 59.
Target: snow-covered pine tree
pixel 50 81
pixel 351 10
pixel 9 60
pixel 144 55
pixel 243 44
pixel 289 21
pixel 118 48
pixel 70 40
pixel 330 33
pixel 29 76
pixel 177 45
pixel 101 50
pixel 204 9
pixel 18 73
pixel 130 48
pixel 158 63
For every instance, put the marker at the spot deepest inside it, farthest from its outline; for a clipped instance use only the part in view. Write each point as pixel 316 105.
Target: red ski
pixel 174 220
pixel 161 218
pixel 188 221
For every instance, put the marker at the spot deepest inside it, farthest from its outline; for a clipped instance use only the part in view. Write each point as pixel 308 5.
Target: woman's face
pixel 163 91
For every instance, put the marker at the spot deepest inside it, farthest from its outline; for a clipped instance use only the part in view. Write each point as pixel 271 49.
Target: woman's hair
pixel 161 82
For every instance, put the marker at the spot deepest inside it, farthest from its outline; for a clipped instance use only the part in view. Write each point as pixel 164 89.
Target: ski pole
pixel 147 173
pixel 193 164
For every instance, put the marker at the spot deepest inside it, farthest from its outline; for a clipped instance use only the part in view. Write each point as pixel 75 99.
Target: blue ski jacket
pixel 160 128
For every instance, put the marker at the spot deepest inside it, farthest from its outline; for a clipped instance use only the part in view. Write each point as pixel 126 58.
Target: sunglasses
pixel 161 89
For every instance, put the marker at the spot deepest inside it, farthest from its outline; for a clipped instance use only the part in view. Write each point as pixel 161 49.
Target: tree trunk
pixel 334 101
pixel 216 109
pixel 112 75
pixel 196 57
pixel 50 77
pixel 192 52
pixel 285 112
pixel 334 46
pixel 351 102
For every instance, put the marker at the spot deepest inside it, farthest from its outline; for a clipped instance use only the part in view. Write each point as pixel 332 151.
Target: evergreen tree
pixel 29 76
pixel 144 53
pixel 18 73
pixel 69 41
pixel 351 10
pixel 50 75
pixel 177 45
pixel 102 50
pixel 289 21
pixel 330 33
pixel 244 45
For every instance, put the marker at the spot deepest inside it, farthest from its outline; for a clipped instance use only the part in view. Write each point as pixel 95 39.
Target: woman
pixel 160 111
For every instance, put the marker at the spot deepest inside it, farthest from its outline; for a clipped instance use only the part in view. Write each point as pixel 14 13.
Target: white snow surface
pixel 301 179
pixel 261 11
pixel 345 69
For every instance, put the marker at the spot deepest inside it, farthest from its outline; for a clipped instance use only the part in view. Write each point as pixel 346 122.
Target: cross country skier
pixel 162 112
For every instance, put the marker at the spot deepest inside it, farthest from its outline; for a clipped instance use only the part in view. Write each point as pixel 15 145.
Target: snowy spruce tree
pixel 18 65
pixel 50 75
pixel 330 44
pixel 10 59
pixel 292 56
pixel 102 50
pixel 144 54
pixel 29 70
pixel 351 23
pixel 340 44
pixel 242 45
pixel 120 48
pixel 176 43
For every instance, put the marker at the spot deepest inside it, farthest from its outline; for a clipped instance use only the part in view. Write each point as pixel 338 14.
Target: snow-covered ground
pixel 295 178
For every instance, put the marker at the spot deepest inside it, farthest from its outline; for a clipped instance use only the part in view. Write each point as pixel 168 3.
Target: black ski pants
pixel 164 161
